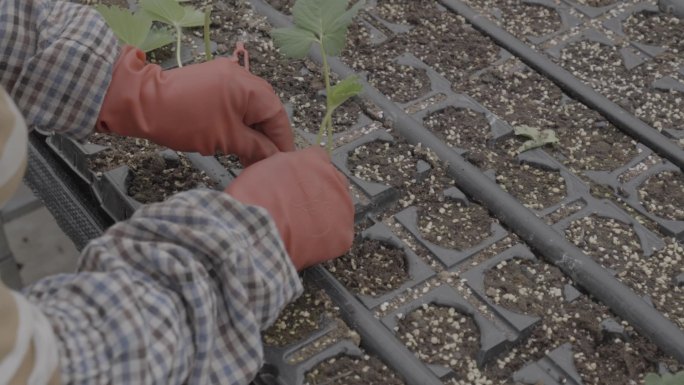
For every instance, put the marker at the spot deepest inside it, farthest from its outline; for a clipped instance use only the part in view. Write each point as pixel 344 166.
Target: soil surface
pixel 155 177
pixel 663 195
pixel 346 370
pixel 371 268
pixel 122 150
pixel 520 18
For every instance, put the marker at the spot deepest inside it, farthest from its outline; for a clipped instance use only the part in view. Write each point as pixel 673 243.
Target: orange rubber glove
pixel 206 107
pixel 308 199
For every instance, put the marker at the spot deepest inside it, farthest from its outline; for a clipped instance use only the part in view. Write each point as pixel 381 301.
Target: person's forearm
pixel 177 294
pixel 56 64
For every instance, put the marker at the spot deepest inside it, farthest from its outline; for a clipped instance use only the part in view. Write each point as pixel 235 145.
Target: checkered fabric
pixel 178 294
pixel 56 63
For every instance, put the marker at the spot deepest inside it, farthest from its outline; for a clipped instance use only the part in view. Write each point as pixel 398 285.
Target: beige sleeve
pixel 13 147
pixel 9 326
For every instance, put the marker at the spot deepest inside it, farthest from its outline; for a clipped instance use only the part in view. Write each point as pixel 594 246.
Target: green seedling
pixel 177 16
pixel 324 22
pixel 135 28
pixel 536 137
pixel 666 379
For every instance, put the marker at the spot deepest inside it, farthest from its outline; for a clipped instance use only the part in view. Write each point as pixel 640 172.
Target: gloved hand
pixel 308 199
pixel 206 107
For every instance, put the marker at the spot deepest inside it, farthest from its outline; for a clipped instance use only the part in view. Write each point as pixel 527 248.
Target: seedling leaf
pixel 344 90
pixel 293 42
pixel 157 38
pixel 170 12
pixel 537 137
pixel 327 20
pixel 130 28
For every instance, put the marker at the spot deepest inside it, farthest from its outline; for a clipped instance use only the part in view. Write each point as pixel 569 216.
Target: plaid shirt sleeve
pixel 56 63
pixel 178 294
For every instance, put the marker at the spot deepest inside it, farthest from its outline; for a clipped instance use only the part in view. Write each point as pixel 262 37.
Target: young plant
pixel 324 22
pixel 135 28
pixel 177 16
pixel 536 137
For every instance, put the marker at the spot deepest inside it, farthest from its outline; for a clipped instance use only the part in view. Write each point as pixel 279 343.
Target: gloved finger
pixel 278 129
pixel 254 146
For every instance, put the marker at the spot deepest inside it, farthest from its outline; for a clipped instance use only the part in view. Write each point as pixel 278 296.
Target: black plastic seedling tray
pixel 519 234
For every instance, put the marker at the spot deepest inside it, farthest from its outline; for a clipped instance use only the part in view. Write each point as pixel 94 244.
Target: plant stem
pixel 207 42
pixel 178 46
pixel 326 125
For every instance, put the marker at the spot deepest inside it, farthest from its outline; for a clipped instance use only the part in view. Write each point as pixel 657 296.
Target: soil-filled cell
pixel 597 3
pixel 299 319
pixel 400 83
pixel 121 150
pixel 371 268
pixel 663 195
pixel 346 370
pixel 155 177
pixel 392 164
pixel 459 127
pixel 659 29
pixel 441 335
pixel 454 225
pixel 522 19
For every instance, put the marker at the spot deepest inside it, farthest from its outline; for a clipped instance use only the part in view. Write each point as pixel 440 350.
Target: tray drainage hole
pixel 371 268
pixel 454 225
pixel 441 335
pixel 392 164
pixel 525 286
pixel 348 370
pixel 459 127
pixel 663 195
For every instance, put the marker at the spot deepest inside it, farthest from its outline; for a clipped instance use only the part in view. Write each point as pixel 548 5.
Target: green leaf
pixel 293 42
pixel 157 38
pixel 652 379
pixel 128 27
pixel 537 137
pixel 344 90
pixel 172 13
pixel 327 20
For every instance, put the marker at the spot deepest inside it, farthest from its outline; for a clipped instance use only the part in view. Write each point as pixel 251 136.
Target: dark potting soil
pixel 521 19
pixel 597 3
pixel 371 268
pixel 122 150
pixel 155 177
pixel 441 335
pixel 230 162
pixel 663 195
pixel 459 127
pixel 400 83
pixel 454 225
pixel 601 358
pixel 347 370
pixel 299 318
pixel 659 29
pixel 392 164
